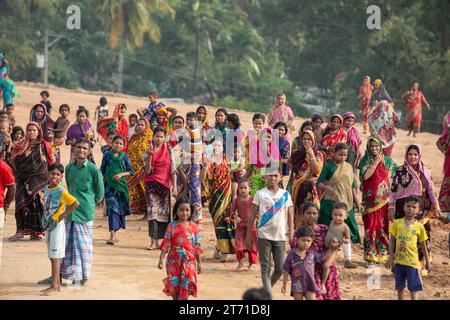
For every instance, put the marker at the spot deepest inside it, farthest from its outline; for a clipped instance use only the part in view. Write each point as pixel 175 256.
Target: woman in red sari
pixel 117 121
pixel 334 134
pixel 182 244
pixel 414 101
pixel 375 170
pixel 365 93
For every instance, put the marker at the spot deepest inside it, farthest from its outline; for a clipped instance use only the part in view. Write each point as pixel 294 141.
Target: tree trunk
pixel 443 29
pixel 197 61
pixel 120 71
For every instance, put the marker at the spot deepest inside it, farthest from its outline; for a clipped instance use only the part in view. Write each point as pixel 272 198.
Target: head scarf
pixel 106 124
pixel 299 156
pixel 21 146
pixel 33 110
pixel 167 122
pixel 369 158
pixel 378 82
pixel 353 138
pixel 328 128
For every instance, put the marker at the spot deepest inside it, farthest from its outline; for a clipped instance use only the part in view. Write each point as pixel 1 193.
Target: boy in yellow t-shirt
pixel 58 204
pixel 405 234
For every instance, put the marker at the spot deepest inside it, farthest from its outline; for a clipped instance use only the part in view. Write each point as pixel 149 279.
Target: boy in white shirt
pixel 274 208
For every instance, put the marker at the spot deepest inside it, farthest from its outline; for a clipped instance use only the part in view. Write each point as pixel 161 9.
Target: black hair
pixel 234 119
pixel 191 115
pixel 182 200
pixel 340 146
pixel 243 180
pixel 308 205
pixel 223 110
pixel 257 294
pixel 340 205
pixel 257 116
pixel 154 93
pixel 83 141
pixel 119 137
pixel 57 166
pixel 64 105
pixel 3 112
pixel 45 92
pixel 316 117
pixel 304 232
pixel 306 124
pixel 159 129
pixel 103 101
pixel 123 106
pixel 17 129
pixel 414 147
pixel 9 105
pixel 178 117
pixel 133 115
pixel 415 199
pixel 281 94
pixel 82 109
pixel 281 124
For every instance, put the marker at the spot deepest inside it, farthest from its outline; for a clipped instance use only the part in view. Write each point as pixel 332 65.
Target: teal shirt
pixel 85 184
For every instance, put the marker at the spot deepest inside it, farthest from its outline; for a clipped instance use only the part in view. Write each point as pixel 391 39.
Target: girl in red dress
pixel 182 246
pixel 241 212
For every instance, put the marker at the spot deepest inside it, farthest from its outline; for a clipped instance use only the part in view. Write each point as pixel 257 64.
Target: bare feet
pixel 240 266
pixel 250 267
pixel 324 289
pixel 49 292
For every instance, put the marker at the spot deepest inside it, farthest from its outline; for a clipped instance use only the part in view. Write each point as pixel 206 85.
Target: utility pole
pixel 46 57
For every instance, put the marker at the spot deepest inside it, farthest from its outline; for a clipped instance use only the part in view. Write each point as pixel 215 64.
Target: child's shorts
pixel 408 274
pixel 56 241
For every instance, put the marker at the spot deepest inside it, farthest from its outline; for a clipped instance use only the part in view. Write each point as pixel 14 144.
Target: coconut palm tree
pixel 129 21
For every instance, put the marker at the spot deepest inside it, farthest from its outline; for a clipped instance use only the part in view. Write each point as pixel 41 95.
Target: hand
pixel 199 268
pixel 283 289
pixel 334 244
pixel 174 191
pixel 391 213
pixel 428 266
pixel 379 158
pixel 310 152
pixel 160 264
pixel 238 219
pixel 358 206
pixel 118 176
pixel 151 151
pixel 388 263
pixel 428 106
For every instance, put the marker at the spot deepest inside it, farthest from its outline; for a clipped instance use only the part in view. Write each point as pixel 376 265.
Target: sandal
pixel 16 237
pixel 46 281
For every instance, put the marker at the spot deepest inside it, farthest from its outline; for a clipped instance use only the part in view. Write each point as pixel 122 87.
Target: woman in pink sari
pixel 333 134
pixel 282 112
pixel 414 101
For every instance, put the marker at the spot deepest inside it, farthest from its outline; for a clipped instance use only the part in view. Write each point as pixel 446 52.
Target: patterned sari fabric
pixel 183 246
pixel 219 181
pixel 303 180
pixel 79 131
pixel 365 93
pixel 444 194
pixel 138 144
pixel 332 284
pixel 31 162
pixel 332 138
pixel 375 201
pixel 415 181
pixel 381 119
pixel 414 100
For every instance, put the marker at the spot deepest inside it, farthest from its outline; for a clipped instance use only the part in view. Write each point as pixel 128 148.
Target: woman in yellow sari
pixel 205 128
pixel 137 145
pixel 306 163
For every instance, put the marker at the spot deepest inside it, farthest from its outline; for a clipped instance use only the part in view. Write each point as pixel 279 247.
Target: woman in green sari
pixel 216 174
pixel 338 183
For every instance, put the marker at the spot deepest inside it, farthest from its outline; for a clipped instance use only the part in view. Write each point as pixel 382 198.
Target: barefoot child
pixel 17 134
pixel 58 204
pixel 101 111
pixel 60 129
pixel 182 245
pixel 406 233
pixel 115 167
pixel 317 121
pixel 241 212
pixel 48 105
pixel 9 111
pixel 300 264
pixel 337 231
pixel 237 165
pixel 132 121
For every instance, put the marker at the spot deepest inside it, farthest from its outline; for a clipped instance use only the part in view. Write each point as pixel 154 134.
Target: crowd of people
pixel 158 156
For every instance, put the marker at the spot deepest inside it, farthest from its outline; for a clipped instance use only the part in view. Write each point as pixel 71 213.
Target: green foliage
pixel 241 51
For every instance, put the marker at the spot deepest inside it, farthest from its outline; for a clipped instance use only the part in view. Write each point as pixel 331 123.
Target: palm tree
pixel 129 21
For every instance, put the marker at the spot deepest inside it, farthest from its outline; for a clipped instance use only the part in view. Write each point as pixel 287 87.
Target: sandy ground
pixel 129 271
